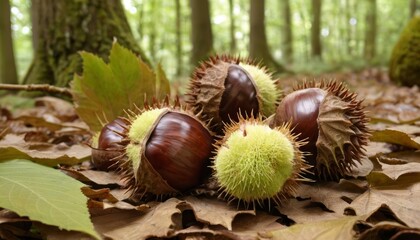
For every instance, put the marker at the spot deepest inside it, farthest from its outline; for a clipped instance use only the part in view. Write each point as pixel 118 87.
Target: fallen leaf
pixel 333 195
pixel 93 176
pixel 156 222
pixel 307 211
pixel 394 171
pixel 13 146
pixel 402 199
pixel 214 212
pixel 395 137
pixel 44 194
pixel 340 228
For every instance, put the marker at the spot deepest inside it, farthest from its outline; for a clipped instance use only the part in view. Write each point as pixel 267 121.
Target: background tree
pixel 316 47
pixel 287 43
pixel 370 31
pixel 258 46
pixel 232 27
pixel 201 33
pixel 413 8
pixel 7 58
pixel 67 27
pixel 178 16
pixel 35 21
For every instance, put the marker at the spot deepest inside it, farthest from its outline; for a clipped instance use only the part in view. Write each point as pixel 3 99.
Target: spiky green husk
pixel 254 162
pixel 343 131
pixel 269 94
pixel 139 130
pixel 95 140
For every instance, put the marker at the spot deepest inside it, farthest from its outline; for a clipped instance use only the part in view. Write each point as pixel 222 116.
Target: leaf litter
pixel 379 199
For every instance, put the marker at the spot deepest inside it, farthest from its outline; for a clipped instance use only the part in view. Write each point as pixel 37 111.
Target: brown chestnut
pixel 332 120
pixel 159 150
pixel 225 87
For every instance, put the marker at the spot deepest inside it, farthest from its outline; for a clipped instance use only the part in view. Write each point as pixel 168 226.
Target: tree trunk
pixel 67 27
pixel 258 46
pixel 8 72
pixel 179 63
pixel 232 27
pixel 287 32
pixel 316 29
pixel 370 31
pixel 201 33
pixel 35 20
pixel 413 8
pixel 349 28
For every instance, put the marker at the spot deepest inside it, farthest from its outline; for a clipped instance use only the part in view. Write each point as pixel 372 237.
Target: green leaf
pixel 106 91
pixel 44 194
pixel 162 83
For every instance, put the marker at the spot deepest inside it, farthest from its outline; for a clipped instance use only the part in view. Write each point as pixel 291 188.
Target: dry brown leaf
pixel 54 233
pixel 158 221
pixel 333 195
pixel 214 211
pixel 61 109
pixel 93 176
pixel 375 148
pixel 401 198
pixel 387 230
pixel 307 211
pixel 340 228
pixel 14 147
pixel 7 216
pixel 395 137
pixel 408 156
pixel 394 171
pixel 247 226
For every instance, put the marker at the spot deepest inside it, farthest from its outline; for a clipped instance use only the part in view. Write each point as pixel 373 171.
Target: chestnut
pixel 332 120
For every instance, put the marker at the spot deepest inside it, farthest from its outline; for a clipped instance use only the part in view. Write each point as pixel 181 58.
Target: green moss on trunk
pixel 405 59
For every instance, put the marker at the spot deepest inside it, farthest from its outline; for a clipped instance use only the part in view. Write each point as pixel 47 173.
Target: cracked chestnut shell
pixel 224 88
pixel 332 120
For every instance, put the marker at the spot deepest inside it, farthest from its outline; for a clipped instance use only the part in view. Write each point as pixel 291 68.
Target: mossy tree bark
pixel 8 72
pixel 258 46
pixel 201 32
pixel 316 46
pixel 67 27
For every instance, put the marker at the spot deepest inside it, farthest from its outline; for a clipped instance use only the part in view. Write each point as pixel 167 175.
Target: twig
pixel 36 87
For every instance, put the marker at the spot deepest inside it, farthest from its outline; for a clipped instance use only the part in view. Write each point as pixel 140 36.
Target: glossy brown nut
pixel 112 134
pixel 301 108
pixel 109 144
pixel 240 95
pixel 179 149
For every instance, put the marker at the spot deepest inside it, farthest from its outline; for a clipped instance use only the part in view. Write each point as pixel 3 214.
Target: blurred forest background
pixel 301 36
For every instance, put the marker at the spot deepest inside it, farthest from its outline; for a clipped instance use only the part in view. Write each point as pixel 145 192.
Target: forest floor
pixel 379 200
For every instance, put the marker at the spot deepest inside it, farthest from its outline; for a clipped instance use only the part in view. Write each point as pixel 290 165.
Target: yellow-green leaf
pixel 105 91
pixel 44 194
